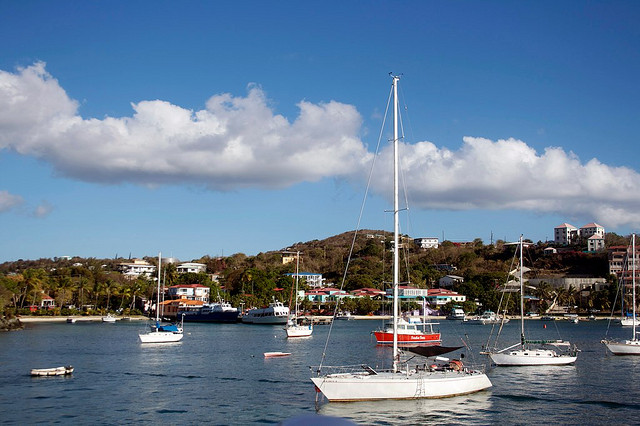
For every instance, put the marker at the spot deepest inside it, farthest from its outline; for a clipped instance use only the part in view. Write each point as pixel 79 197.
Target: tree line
pixel 95 285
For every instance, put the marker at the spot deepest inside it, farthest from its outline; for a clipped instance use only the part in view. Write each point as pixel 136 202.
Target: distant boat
pixel 56 371
pixel 71 320
pixel 276 354
pixel 456 314
pixel 632 346
pixel 487 317
pixel 345 316
pixel 275 313
pixel 109 318
pixel 529 352
pixel 294 328
pixel 161 333
pixel 220 311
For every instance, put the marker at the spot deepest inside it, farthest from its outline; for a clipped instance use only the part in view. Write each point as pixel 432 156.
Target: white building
pixel 137 267
pixel 313 280
pixel 564 234
pixel 195 268
pixel 591 229
pixel 426 243
pixel 595 242
pixel 440 296
pixel 190 291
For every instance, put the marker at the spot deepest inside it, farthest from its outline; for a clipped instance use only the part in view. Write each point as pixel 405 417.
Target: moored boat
pixel 275 313
pixel 631 346
pixel 109 318
pixel 409 333
pixel 402 381
pixel 487 317
pixel 56 371
pixel 211 312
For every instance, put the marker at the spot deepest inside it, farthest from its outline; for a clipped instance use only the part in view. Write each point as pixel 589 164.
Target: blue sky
pixel 210 128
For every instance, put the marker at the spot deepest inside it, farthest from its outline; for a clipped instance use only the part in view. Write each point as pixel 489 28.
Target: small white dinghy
pixel 56 371
pixel 276 354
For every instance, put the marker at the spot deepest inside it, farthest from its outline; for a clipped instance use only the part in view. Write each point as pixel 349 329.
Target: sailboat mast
pixel 158 300
pixel 521 293
pixel 633 283
pixel 396 258
pixel 295 300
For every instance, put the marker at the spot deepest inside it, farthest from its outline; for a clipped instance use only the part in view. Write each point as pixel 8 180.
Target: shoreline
pixel 78 318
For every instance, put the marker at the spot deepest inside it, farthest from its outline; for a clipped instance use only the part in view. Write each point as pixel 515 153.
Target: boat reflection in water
pixel 467 409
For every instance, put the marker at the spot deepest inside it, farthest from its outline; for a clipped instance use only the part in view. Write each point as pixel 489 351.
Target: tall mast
pixel 396 259
pixel 158 301
pixel 295 301
pixel 633 283
pixel 521 294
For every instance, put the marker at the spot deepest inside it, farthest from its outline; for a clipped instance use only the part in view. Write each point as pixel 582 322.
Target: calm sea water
pixel 218 375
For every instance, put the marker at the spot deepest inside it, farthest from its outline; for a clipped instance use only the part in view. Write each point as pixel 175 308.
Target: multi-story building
pixel 565 234
pixel 190 291
pixel 426 243
pixel 313 280
pixel 192 267
pixel 137 267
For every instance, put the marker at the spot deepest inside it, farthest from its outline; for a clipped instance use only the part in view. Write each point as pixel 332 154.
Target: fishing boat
pixel 56 371
pixel 160 333
pixel 402 381
pixel 275 313
pixel 294 327
pixel 530 352
pixel 220 311
pixel 631 346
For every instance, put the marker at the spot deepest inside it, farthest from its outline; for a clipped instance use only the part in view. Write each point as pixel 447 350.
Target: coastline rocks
pixel 10 324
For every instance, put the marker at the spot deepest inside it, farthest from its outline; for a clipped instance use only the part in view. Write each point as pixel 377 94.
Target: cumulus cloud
pixel 235 142
pixel 509 174
pixel 9 201
pixel 240 142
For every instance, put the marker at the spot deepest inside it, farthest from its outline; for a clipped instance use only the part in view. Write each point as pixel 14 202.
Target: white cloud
pixel 9 201
pixel 509 174
pixel 240 142
pixel 234 143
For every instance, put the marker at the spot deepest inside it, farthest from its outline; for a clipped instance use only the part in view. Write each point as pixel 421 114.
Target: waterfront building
pixel 197 292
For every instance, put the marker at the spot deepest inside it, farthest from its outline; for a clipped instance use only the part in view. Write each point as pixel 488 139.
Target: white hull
pixel 531 357
pixel 299 330
pixel 265 320
pixel 628 322
pixel 627 347
pixel 160 337
pixel 388 385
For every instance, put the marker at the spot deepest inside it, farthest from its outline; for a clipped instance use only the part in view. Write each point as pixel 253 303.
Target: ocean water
pixel 218 375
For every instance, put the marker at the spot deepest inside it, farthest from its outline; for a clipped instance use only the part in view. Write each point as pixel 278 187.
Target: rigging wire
pixel 357 229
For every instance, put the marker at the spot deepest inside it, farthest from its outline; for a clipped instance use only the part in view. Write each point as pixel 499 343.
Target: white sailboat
pixel 632 346
pixel 293 327
pixel 530 352
pixel 161 333
pixel 402 381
